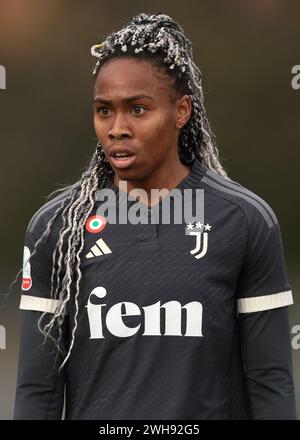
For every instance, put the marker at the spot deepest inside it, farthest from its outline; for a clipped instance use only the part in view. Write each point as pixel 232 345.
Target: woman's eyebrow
pixel 125 100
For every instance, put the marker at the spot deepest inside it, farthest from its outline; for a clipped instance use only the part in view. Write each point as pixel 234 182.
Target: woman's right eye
pixel 103 111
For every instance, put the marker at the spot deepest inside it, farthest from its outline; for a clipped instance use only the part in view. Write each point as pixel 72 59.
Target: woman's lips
pixel 122 162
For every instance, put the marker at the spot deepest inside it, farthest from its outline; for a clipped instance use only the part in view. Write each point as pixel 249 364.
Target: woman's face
pixel 138 115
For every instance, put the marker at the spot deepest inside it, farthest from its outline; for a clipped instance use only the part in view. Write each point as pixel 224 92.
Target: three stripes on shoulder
pixel 230 187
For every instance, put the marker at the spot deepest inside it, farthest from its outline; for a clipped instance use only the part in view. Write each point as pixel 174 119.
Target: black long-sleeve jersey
pixel 176 320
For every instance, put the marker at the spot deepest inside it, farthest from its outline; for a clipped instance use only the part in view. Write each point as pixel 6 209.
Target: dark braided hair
pixel 161 40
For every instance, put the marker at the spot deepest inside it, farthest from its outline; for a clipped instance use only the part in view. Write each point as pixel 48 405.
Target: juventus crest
pixel 200 231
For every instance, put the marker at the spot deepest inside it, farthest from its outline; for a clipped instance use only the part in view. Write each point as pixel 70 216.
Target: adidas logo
pixel 100 248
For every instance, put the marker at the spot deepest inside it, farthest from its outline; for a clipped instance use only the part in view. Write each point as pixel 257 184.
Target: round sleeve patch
pixel 95 224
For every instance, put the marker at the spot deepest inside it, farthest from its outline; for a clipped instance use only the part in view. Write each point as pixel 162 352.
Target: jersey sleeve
pixel 262 282
pixel 266 348
pixel 37 269
pixel 40 386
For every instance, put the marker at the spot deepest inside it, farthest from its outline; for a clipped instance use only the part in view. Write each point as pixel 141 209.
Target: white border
pixel 266 302
pixel 38 304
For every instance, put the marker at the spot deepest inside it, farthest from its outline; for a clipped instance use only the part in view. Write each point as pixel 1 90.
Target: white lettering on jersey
pixel 152 318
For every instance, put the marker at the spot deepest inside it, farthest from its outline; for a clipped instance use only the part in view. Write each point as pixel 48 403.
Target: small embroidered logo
pixel 200 231
pixel 99 248
pixel 26 279
pixel 95 224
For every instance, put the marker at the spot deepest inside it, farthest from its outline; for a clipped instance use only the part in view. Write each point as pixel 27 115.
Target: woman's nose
pixel 119 128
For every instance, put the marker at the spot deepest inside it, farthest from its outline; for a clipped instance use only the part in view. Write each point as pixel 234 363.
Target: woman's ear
pixel 183 111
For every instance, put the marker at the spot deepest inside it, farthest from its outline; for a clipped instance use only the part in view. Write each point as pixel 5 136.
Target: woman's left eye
pixel 137 109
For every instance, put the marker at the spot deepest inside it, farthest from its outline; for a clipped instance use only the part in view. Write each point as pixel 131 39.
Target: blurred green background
pixel 245 50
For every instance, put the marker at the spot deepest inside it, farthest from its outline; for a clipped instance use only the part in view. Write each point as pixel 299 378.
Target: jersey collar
pixel 192 180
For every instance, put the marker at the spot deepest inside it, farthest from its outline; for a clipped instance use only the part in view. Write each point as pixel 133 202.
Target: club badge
pixel 200 231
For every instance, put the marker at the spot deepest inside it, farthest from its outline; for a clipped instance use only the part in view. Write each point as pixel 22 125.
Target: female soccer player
pixel 154 319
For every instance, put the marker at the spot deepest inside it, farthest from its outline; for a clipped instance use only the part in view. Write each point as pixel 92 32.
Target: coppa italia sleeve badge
pixel 26 280
pixel 95 224
pixel 200 231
